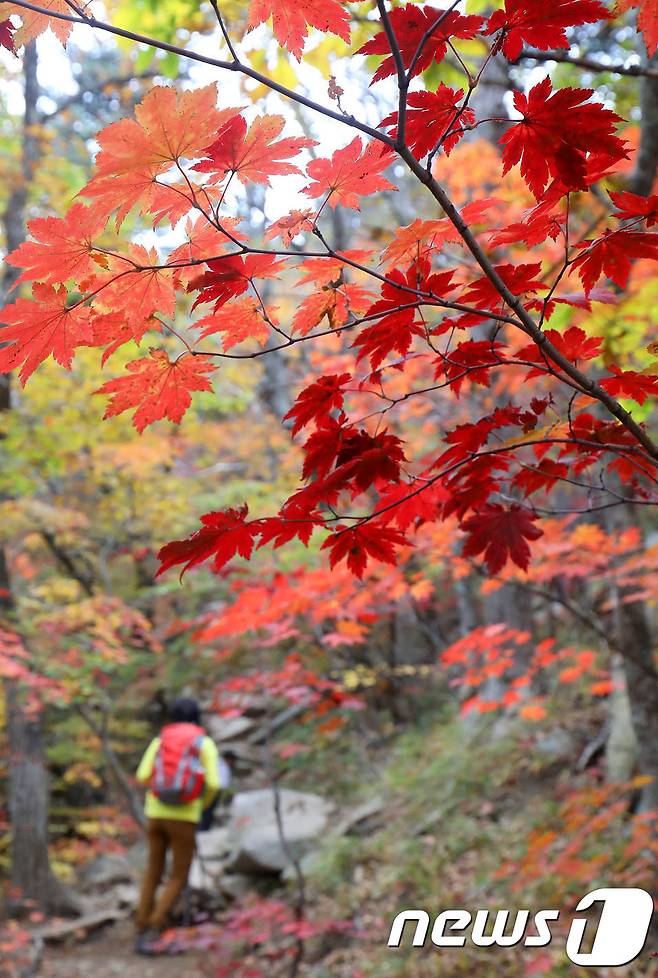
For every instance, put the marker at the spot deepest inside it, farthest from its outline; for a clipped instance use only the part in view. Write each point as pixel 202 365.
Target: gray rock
pixel 307 864
pixel 361 820
pixel 106 870
pixel 138 855
pixel 557 745
pixel 213 845
pixel 254 836
pixel 223 729
pixel 235 886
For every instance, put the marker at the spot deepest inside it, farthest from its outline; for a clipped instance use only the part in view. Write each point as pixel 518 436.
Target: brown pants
pixel 163 834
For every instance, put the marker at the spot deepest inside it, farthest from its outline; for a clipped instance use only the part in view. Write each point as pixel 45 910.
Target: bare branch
pixel 590 64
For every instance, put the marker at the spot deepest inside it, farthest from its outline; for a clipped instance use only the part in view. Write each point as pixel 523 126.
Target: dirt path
pixel 109 954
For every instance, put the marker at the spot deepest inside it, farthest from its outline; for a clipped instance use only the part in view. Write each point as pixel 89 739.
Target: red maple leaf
pixel 630 383
pixel 112 330
pixel 291 20
pixel 255 154
pixel 322 447
pixel 647 20
pixel 352 172
pixel 329 270
pixel 318 400
pixel 469 361
pixel 291 225
pixel 157 387
pixel 502 534
pixel 613 255
pixel 544 475
pixel 394 332
pixel 433 118
pixel 230 276
pixel 631 206
pixel 419 239
pixel 137 290
pixel 556 135
pixel 7 30
pixel 357 544
pixel 41 327
pixel 574 344
pixel 519 279
pixel 400 505
pixel 223 535
pixel 542 25
pixel 537 224
pixel 168 126
pixel 369 459
pixel 410 25
pixel 279 530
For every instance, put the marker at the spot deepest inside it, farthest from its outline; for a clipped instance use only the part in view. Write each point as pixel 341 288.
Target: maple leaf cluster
pixel 451 308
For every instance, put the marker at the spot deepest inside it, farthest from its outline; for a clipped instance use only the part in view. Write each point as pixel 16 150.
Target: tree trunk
pixel 635 641
pixel 33 882
pixel 621 747
pixel 646 164
pixel 633 633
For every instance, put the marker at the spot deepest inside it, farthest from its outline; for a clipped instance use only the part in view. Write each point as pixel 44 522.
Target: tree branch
pixel 238 66
pixel 528 324
pixel 591 64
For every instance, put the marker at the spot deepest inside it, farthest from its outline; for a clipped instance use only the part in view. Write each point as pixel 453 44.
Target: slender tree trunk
pixel 634 637
pixel 621 747
pixel 646 165
pixel 635 641
pixel 33 882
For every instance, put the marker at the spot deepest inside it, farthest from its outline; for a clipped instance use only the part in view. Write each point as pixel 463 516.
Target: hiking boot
pixel 147 941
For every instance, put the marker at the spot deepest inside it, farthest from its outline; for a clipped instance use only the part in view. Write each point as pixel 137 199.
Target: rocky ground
pixel 109 954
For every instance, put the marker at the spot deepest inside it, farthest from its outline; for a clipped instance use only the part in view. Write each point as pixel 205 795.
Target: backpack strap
pixel 190 760
pixel 158 768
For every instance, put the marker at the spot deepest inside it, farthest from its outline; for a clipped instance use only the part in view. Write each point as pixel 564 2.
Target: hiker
pixel 181 768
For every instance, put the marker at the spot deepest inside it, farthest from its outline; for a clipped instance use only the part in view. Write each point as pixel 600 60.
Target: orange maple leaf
pixel 335 304
pixel 291 20
pixel 289 226
pixel 138 286
pixel 168 126
pixel 647 20
pixel 238 321
pixel 532 711
pixel 35 23
pixel 158 387
pixel 41 327
pixel 352 172
pixel 62 248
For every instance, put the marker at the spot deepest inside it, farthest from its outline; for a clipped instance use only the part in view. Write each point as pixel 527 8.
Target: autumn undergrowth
pixel 455 798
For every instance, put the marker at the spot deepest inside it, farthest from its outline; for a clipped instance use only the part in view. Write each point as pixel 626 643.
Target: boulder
pixel 558 745
pixel 254 835
pixel 224 729
pixel 213 845
pixel 236 886
pixel 105 871
pixel 361 820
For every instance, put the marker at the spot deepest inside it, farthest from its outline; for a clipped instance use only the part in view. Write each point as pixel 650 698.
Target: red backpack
pixel 178 775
